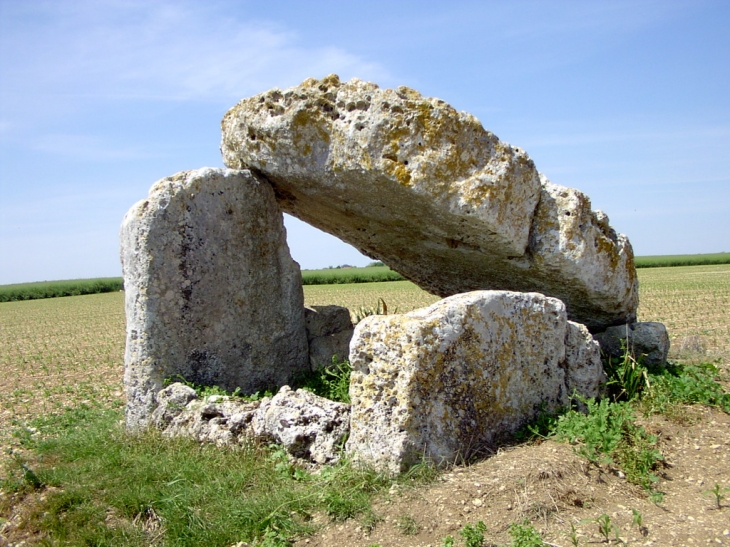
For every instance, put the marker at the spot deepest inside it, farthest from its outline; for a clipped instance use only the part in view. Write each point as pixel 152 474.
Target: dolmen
pixel 528 272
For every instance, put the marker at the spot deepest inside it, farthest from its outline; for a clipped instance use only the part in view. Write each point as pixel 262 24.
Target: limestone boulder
pixel 306 425
pixel 329 330
pixel 212 294
pixel 410 181
pixel 216 419
pixel 646 341
pixel 446 381
pixel 584 372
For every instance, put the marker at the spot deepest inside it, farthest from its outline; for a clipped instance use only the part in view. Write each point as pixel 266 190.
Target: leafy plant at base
pixel 608 434
pixel 627 376
pixel 473 535
pixel 208 391
pixel 331 382
pixel 542 426
pixel 524 535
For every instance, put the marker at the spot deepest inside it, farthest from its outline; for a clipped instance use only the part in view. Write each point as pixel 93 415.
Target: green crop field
pixel 327 276
pixel 661 261
pixel 62 352
pixel 349 275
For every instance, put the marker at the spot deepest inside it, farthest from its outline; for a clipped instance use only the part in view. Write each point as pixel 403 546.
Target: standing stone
pixel 646 341
pixel 212 293
pixel 410 181
pixel 329 331
pixel 442 382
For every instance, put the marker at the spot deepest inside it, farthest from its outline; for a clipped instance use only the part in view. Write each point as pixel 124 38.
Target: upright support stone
pixel 443 382
pixel 212 293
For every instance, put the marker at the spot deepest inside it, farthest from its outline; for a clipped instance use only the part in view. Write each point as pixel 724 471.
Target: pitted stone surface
pixel 412 182
pixel 212 293
pixel 308 426
pixel 444 381
pixel 584 372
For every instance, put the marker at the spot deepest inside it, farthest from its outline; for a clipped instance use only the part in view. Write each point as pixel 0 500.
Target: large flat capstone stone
pixel 410 181
pixel 212 293
pixel 442 383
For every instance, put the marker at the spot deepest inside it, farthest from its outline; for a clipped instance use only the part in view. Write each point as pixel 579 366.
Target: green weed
pixel 473 535
pixel 524 535
pixel 331 382
pixel 608 434
pixel 718 493
pixel 606 528
pixel 685 384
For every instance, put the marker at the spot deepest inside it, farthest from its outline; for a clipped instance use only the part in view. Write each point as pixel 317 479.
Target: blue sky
pixel 626 101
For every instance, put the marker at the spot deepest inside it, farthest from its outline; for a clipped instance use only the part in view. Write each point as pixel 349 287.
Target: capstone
pixel 426 189
pixel 212 294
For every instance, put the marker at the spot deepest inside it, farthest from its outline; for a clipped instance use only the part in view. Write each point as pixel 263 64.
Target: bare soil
pixel 553 488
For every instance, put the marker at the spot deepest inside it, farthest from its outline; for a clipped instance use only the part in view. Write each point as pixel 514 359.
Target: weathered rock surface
pixel 584 372
pixel 443 382
pixel 308 426
pixel 222 420
pixel 648 341
pixel 412 182
pixel 212 293
pixel 329 330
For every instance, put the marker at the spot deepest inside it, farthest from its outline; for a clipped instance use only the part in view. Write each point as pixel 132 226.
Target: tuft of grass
pixel 627 376
pixel 407 525
pixel 381 308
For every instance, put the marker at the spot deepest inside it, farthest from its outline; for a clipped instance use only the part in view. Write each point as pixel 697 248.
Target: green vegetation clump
pixel 605 431
pixel 661 261
pixel 53 289
pixel 331 382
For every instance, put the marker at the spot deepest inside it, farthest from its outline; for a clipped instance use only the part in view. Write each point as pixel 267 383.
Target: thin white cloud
pixel 155 50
